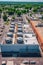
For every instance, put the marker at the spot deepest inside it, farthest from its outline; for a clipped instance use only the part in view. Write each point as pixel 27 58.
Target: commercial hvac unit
pixel 20 40
pixel 19 26
pixel 8 40
pixel 20 34
pixel 19 23
pixel 11 29
pixel 10 34
pixel 12 23
pixel 12 26
pixel 20 30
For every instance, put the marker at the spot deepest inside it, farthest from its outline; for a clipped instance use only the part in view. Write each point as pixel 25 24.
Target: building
pixel 20 50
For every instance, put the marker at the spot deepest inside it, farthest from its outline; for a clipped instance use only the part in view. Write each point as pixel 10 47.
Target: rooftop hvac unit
pixel 19 34
pixel 19 23
pixel 20 30
pixel 20 40
pixel 12 23
pixel 12 26
pixel 10 34
pixel 11 29
pixel 8 40
pixel 19 26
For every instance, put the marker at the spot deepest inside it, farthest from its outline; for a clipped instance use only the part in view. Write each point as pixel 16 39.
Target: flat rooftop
pixel 30 39
pixel 40 29
pixel 20 50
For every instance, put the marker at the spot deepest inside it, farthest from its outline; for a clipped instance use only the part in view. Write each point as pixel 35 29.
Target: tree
pixel 5 17
pixel 35 10
pixel 42 17
pixel 13 18
pixel 11 11
pixel 0 15
pixel 0 10
pixel 18 12
pixel 24 11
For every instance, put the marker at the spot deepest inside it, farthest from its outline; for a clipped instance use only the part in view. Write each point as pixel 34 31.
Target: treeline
pixel 19 9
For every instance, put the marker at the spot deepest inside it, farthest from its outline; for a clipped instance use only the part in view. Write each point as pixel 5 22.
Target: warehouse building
pixel 20 50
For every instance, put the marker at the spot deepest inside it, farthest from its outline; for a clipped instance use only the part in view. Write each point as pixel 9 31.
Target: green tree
pixel 0 10
pixel 24 11
pixel 5 17
pixel 18 12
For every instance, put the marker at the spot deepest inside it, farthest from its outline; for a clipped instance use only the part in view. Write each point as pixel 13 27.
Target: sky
pixel 24 0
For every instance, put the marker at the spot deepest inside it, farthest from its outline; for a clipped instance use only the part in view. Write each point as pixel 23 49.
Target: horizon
pixel 21 1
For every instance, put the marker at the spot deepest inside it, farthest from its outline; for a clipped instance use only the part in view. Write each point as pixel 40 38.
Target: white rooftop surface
pixel 12 23
pixel 9 33
pixel 10 63
pixel 29 39
pixel 26 25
